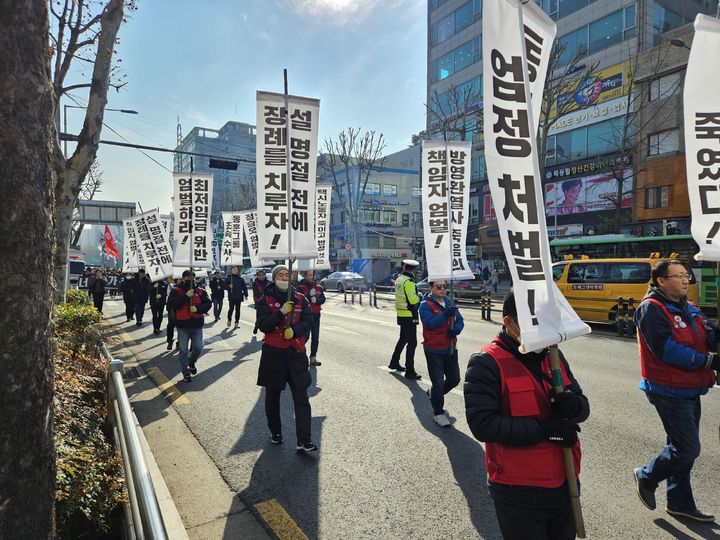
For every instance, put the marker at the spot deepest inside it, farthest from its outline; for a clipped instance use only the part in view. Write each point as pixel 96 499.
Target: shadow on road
pixel 704 530
pixel 280 472
pixel 467 460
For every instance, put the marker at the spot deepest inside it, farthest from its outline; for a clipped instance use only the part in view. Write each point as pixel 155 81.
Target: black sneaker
pixel 276 438
pixel 193 369
pixel 306 446
pixel 647 495
pixel 396 368
pixel 187 378
pixel 696 515
pixel 413 376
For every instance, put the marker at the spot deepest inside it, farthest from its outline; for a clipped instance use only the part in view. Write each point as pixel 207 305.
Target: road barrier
pixel 486 306
pixel 143 519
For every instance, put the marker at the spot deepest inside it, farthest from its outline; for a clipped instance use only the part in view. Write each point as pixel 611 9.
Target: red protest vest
pixel 437 339
pixel 309 292
pixel 276 337
pixel 542 465
pixel 655 370
pixel 183 313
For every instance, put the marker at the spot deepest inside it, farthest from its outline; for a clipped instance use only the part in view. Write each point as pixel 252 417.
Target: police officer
pixel 510 405
pixel 158 299
pixel 141 291
pixel 217 293
pixel 315 295
pixel 283 360
pixel 259 284
pixel 190 303
pixel 442 322
pixel 407 303
pixel 677 368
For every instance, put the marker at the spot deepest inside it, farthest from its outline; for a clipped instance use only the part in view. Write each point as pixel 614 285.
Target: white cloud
pixel 341 12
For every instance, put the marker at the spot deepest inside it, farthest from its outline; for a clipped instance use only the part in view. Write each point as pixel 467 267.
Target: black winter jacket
pixel 162 290
pixel 483 399
pixel 179 297
pixel 140 289
pixel 238 291
pixel 217 288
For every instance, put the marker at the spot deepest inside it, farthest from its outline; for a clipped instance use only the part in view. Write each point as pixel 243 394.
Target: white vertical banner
pixel 544 316
pixel 132 260
pixel 273 137
pixel 445 205
pixel 249 221
pixel 232 244
pixel 701 102
pixel 153 245
pixel 192 204
pixel 323 194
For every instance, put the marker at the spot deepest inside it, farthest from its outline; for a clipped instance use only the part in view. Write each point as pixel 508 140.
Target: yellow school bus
pixel 593 286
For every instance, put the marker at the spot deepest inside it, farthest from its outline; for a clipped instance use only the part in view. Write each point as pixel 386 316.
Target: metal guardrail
pixel 142 516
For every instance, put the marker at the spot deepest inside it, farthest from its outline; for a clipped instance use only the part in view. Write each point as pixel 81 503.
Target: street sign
pixel 348 247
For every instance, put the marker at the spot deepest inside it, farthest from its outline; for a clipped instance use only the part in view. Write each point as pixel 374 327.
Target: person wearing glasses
pixel 677 360
pixel 442 323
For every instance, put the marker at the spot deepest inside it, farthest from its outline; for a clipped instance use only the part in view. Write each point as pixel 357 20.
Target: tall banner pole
pixel 287 186
pixel 450 238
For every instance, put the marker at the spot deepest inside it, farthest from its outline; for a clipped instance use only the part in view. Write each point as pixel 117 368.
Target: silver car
pixel 341 281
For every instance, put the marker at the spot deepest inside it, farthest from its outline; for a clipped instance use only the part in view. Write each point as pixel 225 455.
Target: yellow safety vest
pixel 405 293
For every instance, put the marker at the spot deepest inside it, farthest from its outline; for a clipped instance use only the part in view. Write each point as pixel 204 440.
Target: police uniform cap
pixel 411 263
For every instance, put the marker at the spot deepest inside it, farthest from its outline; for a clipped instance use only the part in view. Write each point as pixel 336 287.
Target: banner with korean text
pixel 445 207
pixel 517 39
pixel 232 244
pixel 275 219
pixel 153 245
pixel 249 219
pixel 323 193
pixel 132 259
pixel 702 136
pixel 192 204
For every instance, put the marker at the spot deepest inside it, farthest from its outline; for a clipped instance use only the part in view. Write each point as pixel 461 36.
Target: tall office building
pixel 233 189
pixel 589 149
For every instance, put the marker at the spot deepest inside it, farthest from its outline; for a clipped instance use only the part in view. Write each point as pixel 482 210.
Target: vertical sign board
pixel 701 103
pixel 512 59
pixel 153 245
pixel 445 204
pixel 193 232
pixel 277 222
pixel 232 244
pixel 132 258
pixel 323 193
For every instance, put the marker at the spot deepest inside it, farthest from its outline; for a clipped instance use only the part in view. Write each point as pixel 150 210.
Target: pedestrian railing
pixel 143 519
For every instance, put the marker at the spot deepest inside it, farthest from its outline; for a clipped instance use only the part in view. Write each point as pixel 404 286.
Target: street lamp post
pixel 65 129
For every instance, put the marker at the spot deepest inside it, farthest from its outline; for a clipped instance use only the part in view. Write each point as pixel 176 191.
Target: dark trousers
pixel 544 521
pixel 170 329
pixel 98 301
pixel 302 411
pixel 408 336
pixel 315 334
pixel 234 305
pixel 217 307
pixel 157 315
pixel 189 338
pixel 681 420
pixel 139 312
pixel 444 374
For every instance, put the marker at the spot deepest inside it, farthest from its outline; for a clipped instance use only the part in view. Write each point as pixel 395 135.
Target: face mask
pixel 282 285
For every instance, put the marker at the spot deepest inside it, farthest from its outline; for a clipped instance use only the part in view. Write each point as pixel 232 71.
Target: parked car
pixel 249 276
pixel 339 281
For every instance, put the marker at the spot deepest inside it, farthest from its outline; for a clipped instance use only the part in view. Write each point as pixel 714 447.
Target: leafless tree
pixel 27 454
pixel 84 36
pixel 350 161
pixel 241 195
pixel 456 113
pixel 90 187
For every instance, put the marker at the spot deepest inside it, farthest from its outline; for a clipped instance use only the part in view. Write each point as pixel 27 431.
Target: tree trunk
pixel 27 455
pixel 356 237
pixel 66 200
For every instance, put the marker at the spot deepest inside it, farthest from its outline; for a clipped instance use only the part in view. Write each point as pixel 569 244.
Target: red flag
pixel 110 248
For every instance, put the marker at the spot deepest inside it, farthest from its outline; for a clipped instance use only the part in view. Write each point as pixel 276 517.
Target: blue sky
pixel 364 59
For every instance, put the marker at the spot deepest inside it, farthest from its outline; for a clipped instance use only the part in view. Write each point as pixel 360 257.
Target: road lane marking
pixel 279 520
pixel 340 329
pixel 363 319
pixel 422 382
pixel 169 390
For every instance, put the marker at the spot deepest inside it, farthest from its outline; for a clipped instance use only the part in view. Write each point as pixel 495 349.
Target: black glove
pixel 713 361
pixel 450 311
pixel 562 432
pixel 565 405
pixel 452 334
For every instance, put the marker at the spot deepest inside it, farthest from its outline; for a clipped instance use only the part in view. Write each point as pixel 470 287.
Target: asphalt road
pixel 384 469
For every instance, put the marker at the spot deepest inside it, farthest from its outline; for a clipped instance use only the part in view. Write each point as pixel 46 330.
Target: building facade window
pixel 598 35
pixel 562 8
pixel 456 22
pixel 664 20
pixel 630 22
pixel 664 87
pixel 434 4
pixel 372 188
pixel 389 216
pixel 456 60
pixel 467 95
pixel 389 242
pixel 663 142
pixel 589 141
pixel 389 190
pixel 658 197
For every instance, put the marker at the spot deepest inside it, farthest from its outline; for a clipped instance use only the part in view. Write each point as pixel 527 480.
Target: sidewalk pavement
pixel 209 509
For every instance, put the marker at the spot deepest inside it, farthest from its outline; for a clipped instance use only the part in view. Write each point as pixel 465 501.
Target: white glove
pixel 313 300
